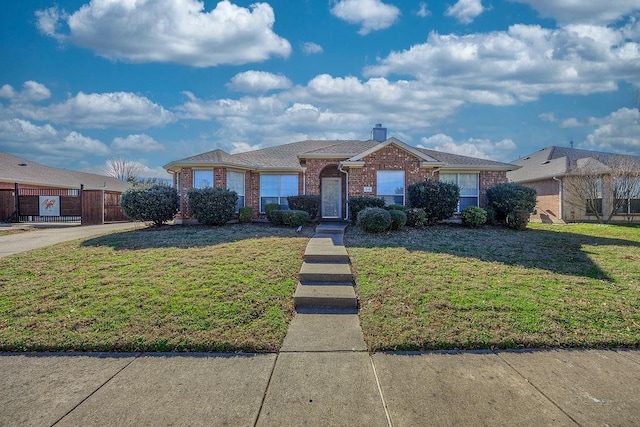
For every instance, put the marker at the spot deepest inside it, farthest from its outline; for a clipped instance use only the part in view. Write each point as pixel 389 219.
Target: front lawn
pixel 453 287
pixel 174 288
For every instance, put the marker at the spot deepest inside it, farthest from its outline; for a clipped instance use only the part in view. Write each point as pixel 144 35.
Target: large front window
pixel 390 187
pixel 235 182
pixel 469 187
pixel 276 189
pixel 627 195
pixel 202 178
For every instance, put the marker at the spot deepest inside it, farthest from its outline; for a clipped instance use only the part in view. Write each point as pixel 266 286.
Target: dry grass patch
pixel 452 287
pixel 169 289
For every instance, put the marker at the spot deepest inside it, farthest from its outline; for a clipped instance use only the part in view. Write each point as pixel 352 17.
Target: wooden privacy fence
pixel 89 207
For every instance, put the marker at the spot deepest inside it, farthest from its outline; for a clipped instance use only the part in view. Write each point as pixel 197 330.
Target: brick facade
pixel 547 200
pixel 489 179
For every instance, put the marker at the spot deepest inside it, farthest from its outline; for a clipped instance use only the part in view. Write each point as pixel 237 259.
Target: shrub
pixel 212 206
pixel 398 219
pixel 518 219
pixel 438 199
pixel 358 203
pixel 309 204
pixel 507 198
pixel 416 217
pixel 491 216
pixel 374 220
pixel 294 218
pixel 396 207
pixel 269 208
pixel 245 214
pixel 157 204
pixel 275 216
pixel 473 216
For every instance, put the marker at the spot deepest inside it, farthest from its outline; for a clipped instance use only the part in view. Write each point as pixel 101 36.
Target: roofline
pixel 400 144
pixel 325 156
pixel 171 167
pixel 498 168
pixel 62 186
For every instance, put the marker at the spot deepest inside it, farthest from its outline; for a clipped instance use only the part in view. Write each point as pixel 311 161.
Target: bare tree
pixel 123 170
pixel 603 187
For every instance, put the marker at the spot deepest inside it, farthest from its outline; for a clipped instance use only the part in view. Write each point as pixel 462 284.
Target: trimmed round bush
pixel 294 217
pixel 438 199
pixel 507 198
pixel 245 214
pixel 374 220
pixel 396 207
pixel 473 216
pixel 398 219
pixel 157 204
pixel 275 216
pixel 491 216
pixel 358 203
pixel 212 206
pixel 307 203
pixel 518 220
pixel 416 217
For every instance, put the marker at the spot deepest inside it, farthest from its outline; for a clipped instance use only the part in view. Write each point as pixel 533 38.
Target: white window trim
pixel 457 174
pixel 279 196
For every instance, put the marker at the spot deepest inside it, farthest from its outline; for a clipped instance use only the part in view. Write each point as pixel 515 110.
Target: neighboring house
pixel 34 180
pixel 335 170
pixel 573 184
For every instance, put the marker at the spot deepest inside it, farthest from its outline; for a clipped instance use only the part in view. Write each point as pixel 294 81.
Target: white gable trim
pixel 399 144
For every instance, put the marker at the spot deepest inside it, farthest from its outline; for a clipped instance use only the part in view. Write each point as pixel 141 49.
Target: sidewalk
pixel 323 376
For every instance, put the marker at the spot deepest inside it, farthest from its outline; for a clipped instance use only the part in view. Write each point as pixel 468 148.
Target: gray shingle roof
pixel 557 161
pixel 34 173
pixel 287 156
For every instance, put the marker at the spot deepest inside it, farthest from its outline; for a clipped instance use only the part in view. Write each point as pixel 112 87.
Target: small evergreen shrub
pixel 518 220
pixel 438 199
pixel 275 216
pixel 358 203
pixel 212 206
pixel 396 207
pixel 294 218
pixel 374 220
pixel 157 204
pixel 308 203
pixel 245 214
pixel 507 198
pixel 491 216
pixel 473 216
pixel 416 217
pixel 269 208
pixel 398 219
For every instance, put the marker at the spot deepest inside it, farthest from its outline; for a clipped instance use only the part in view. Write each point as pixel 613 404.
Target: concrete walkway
pixel 323 376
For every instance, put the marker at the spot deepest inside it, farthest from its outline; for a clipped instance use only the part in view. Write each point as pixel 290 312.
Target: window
pixel 390 187
pixel 469 184
pixel 594 202
pixel 202 178
pixel 276 188
pixel 628 189
pixel 235 182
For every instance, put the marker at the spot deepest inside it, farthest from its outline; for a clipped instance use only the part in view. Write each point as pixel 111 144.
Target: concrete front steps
pixel 325 278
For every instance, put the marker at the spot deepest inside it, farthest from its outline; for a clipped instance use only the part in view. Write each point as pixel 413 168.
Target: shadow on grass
pixel 176 236
pixel 559 251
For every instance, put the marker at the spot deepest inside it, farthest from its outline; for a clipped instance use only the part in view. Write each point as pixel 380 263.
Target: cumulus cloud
pixel 517 65
pixel 480 148
pixel 548 117
pixel 31 91
pixel 593 12
pixel 465 11
pixel 310 48
pixel 618 132
pixel 99 110
pixel 26 136
pixel 169 31
pixel 142 142
pixel 258 81
pixel 423 10
pixel 371 15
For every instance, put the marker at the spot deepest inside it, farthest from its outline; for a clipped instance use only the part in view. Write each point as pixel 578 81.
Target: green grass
pixel 169 289
pixel 449 287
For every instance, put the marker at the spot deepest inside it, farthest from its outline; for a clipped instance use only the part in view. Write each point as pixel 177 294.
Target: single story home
pixel 335 170
pixel 573 184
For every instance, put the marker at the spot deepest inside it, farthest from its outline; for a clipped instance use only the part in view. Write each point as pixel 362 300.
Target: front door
pixel 331 197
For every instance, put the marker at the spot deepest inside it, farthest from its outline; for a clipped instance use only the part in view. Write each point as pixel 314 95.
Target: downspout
pixel 304 181
pixel 346 196
pixel 561 195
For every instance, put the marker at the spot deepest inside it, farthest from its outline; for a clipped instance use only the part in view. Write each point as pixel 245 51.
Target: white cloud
pixel 548 117
pixel 472 147
pixel 310 48
pixel 31 91
pixel 518 65
pixel 423 11
pixel 170 31
pixel 258 81
pixel 142 142
pixel 100 110
pixel 371 15
pixel 465 11
pixel 619 132
pixel 570 123
pixel 25 136
pixel 574 11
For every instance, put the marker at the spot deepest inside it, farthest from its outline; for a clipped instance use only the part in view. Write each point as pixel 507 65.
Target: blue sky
pixel 151 81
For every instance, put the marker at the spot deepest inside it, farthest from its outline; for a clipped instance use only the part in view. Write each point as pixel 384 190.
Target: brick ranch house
pixel 550 172
pixel 335 170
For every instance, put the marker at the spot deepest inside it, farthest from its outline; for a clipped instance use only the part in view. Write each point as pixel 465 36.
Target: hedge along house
pixel 335 170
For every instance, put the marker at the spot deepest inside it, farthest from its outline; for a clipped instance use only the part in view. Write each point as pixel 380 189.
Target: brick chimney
pixel 378 133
